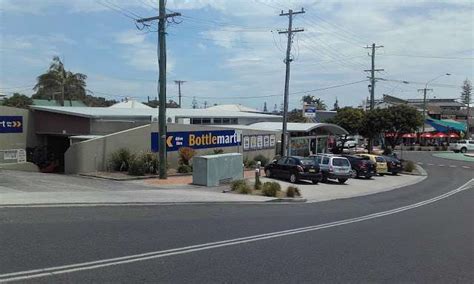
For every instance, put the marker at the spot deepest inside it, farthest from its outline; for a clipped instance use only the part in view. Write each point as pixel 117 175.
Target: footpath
pixel 38 189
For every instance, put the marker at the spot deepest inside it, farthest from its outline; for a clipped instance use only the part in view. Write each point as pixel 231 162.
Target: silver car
pixel 334 167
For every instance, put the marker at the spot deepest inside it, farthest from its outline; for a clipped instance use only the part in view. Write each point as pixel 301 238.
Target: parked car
pixel 394 165
pixel 295 169
pixel 334 167
pixel 381 164
pixel 463 146
pixel 361 166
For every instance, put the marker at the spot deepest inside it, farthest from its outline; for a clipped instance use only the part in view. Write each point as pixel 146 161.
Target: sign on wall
pixel 309 111
pixel 258 142
pixel 197 139
pixel 11 124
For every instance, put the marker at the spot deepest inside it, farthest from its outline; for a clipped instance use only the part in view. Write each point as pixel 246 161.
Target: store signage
pixel 11 124
pixel 197 139
pixel 309 111
pixel 258 142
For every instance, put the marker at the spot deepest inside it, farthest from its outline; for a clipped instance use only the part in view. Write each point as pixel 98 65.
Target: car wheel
pixel 315 181
pixel 368 176
pixel 341 180
pixel 268 173
pixel 324 179
pixel 354 174
pixel 381 175
pixel 293 178
pixel 463 150
pixel 455 151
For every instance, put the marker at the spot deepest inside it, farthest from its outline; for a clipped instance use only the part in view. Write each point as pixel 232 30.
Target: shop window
pixel 217 120
pixel 206 121
pixel 226 121
pixel 234 121
pixel 196 121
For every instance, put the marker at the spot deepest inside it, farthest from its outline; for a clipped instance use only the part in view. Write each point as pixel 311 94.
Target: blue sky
pixel 228 50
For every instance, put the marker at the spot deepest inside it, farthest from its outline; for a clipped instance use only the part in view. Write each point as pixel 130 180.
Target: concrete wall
pixel 92 155
pixel 17 140
pixel 104 127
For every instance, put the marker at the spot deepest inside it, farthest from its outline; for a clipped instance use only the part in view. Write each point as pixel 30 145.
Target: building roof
pixel 297 127
pixel 446 124
pixel 67 103
pixel 130 104
pixel 109 112
pixel 234 107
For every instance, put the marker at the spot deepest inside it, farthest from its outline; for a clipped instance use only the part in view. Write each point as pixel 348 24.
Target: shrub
pixel 150 161
pixel 263 160
pixel 120 160
pixel 240 186
pixel 136 167
pixel 292 191
pixel 409 166
pixel 387 151
pixel 218 151
pixel 249 163
pixel 271 189
pixel 184 169
pixel 185 155
pixel 258 184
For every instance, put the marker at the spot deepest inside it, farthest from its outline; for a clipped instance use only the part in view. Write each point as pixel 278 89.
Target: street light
pixel 424 96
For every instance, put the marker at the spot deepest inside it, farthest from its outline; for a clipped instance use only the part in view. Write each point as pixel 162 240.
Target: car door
pixel 279 166
pixel 290 167
pixel 470 145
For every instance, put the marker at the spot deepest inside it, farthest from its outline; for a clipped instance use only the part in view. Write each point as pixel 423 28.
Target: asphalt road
pixel 429 243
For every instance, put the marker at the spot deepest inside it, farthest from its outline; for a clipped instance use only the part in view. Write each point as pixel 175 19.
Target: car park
pixel 361 166
pixel 463 146
pixel 381 164
pixel 394 165
pixel 334 167
pixel 295 169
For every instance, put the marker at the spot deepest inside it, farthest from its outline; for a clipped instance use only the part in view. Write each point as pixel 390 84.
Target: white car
pixel 463 146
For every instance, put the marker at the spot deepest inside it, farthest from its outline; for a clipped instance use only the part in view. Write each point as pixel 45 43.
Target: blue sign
pixel 11 124
pixel 197 139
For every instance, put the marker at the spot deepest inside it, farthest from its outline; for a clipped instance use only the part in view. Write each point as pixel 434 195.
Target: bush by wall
pixel 184 169
pixel 271 189
pixel 185 155
pixel 409 166
pixel 293 191
pixel 240 186
pixel 249 163
pixel 136 167
pixel 263 160
pixel 120 160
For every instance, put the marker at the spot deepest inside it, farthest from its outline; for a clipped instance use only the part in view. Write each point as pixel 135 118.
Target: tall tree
pixel 466 98
pixel 336 105
pixel 18 100
pixel 58 83
pixel 352 120
pixel 296 116
pixel 376 122
pixel 401 119
pixel 265 107
pixel 312 100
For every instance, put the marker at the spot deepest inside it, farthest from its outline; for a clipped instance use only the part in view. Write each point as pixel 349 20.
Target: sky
pixel 230 51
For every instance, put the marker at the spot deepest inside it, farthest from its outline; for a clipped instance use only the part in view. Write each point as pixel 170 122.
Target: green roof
pixel 67 103
pixel 446 124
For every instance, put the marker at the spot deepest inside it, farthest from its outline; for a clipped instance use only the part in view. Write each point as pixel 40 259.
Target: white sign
pixel 21 156
pixel 272 140
pixel 266 141
pixel 259 142
pixel 253 142
pixel 10 154
pixel 309 111
pixel 246 143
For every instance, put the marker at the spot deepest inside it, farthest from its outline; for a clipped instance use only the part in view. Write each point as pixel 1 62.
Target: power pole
pixel 162 17
pixel 179 82
pixel 284 136
pixel 372 85
pixel 424 106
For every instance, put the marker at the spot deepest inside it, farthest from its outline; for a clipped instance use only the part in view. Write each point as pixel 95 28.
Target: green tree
pixel 311 100
pixel 296 116
pixel 401 119
pixel 376 122
pixel 18 100
pixel 349 118
pixel 58 83
pixel 466 94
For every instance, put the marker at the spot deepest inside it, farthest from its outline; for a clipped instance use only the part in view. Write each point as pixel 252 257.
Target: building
pixel 81 139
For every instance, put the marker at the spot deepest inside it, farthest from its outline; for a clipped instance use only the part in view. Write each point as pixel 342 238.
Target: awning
pixel 409 135
pixel 440 135
pixel 453 135
pixel 446 125
pixel 426 135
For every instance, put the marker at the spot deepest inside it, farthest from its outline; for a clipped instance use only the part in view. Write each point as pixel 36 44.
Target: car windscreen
pixel 340 162
pixel 308 162
pixel 462 142
pixel 379 160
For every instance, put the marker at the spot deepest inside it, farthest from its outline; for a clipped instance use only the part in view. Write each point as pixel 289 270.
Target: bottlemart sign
pixel 197 139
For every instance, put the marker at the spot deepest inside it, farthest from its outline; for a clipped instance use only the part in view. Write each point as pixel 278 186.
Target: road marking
pixel 466 167
pixel 52 271
pixel 420 163
pixel 430 164
pixel 453 166
pixel 440 165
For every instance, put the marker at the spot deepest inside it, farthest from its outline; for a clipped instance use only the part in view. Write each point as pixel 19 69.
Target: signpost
pixel 197 139
pixel 11 124
pixel 309 111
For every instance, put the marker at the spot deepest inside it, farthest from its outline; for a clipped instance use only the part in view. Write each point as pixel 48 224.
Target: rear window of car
pixel 340 162
pixel 462 142
pixel 325 160
pixel 308 162
pixel 379 160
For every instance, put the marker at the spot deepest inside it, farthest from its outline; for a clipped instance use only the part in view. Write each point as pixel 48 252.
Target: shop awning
pixel 446 125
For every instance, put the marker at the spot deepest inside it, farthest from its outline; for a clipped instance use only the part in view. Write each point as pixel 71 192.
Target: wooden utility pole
pixel 162 16
pixel 372 85
pixel 179 82
pixel 284 136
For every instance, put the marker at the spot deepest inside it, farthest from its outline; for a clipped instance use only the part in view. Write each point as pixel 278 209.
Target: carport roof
pixel 298 127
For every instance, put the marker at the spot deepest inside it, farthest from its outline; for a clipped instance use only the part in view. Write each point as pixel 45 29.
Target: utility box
pixel 214 170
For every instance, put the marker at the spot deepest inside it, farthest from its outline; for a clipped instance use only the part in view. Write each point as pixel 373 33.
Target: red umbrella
pixel 409 135
pixel 440 135
pixel 426 135
pixel 453 135
pixel 389 134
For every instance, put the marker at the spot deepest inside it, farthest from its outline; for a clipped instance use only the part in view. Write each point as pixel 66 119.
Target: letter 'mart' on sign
pixel 197 139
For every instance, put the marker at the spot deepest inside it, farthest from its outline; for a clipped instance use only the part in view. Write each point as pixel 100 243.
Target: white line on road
pixel 466 167
pixel 430 164
pixel 419 163
pixel 52 271
pixel 453 166
pixel 440 165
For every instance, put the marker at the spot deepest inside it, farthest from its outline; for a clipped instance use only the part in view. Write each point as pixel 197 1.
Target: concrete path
pixel 352 187
pixel 455 156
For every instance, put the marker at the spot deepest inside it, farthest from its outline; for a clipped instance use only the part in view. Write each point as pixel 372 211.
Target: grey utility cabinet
pixel 214 170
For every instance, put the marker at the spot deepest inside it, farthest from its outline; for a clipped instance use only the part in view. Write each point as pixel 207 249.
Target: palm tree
pixel 60 81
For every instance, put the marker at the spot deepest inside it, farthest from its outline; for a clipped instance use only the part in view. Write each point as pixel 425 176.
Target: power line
pixel 429 57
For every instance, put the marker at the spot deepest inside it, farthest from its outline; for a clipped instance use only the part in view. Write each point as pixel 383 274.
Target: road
pixel 429 242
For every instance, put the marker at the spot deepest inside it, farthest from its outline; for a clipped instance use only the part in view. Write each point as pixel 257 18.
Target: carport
pixel 306 138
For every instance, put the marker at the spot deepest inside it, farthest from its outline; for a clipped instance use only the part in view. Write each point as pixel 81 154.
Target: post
pixel 290 31
pixel 424 110
pixel 179 82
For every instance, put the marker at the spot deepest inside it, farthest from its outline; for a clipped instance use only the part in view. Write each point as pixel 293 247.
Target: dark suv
pixel 295 169
pixel 394 166
pixel 361 166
